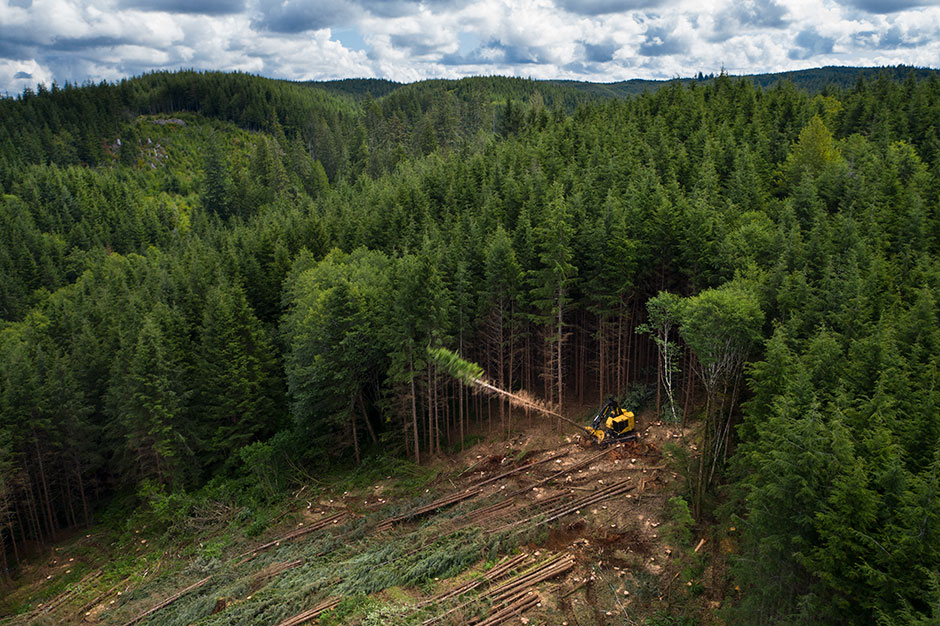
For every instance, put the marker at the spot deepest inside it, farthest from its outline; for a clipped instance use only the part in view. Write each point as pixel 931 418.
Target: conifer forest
pixel 218 288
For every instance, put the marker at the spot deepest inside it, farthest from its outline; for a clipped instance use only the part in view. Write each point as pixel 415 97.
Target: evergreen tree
pixel 552 285
pixel 234 380
pixel 148 401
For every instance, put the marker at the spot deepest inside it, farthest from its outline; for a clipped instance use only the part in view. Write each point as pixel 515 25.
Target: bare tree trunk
pixel 448 412
pixel 32 510
pixel 68 500
pixel 460 414
pixel 583 353
pixel 435 403
pixel 703 461
pixel 528 357
pixel 22 526
pixel 601 348
pixel 460 394
pixel 414 411
pixel 689 386
pixel 548 373
pixel 734 399
pixel 81 488
pixel 3 556
pixel 406 436
pixel 432 412
pixel 45 488
pixel 355 435
pixel 426 408
pixel 620 356
pixel 659 387
pixel 561 336
pixel 512 355
pixel 500 364
pixel 365 419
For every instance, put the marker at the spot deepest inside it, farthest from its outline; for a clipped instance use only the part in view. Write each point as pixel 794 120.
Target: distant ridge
pixel 813 80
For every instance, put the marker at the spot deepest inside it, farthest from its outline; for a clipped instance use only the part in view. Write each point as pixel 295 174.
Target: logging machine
pixel 612 424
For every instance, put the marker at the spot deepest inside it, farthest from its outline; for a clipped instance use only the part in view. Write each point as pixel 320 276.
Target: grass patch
pixel 399 476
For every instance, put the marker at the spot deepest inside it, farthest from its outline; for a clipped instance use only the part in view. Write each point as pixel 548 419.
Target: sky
pixel 46 41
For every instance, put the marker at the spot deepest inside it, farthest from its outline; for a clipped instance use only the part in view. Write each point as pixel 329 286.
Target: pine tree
pixel 551 287
pixel 502 280
pixel 234 375
pixel 148 401
pixel 217 188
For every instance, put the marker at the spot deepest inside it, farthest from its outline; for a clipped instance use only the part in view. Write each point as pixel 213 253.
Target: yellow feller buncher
pixel 612 424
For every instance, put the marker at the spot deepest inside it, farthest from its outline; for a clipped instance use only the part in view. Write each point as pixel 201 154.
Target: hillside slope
pixel 564 532
pixel 217 289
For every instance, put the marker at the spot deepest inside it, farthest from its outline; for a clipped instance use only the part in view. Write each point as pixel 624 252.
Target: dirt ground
pixel 628 566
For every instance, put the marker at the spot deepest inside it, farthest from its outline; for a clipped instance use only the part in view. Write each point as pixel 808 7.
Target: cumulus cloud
pixel 759 13
pixel 663 39
pixel 600 53
pixel 602 7
pixel 886 6
pixel 20 75
pixel 897 37
pixel 603 40
pixel 295 16
pixel 809 43
pixel 203 7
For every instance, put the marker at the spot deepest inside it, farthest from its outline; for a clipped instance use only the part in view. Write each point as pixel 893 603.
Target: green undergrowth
pixel 409 478
pixel 333 566
pixel 156 542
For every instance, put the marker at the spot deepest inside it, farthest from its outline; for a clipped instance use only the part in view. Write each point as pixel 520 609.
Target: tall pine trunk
pixel 50 520
pixel 561 328
pixel 414 407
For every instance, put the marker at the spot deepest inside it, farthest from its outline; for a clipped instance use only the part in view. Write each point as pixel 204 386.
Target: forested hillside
pixel 218 279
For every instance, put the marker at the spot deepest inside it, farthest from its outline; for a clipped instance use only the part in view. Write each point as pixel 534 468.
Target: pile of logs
pixel 513 596
pixel 573 506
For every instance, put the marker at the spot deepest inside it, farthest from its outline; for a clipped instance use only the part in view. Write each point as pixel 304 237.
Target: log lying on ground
pixel 447 500
pixel 311 613
pixel 56 602
pixel 562 472
pixel 299 532
pixel 460 496
pixel 101 597
pixel 509 591
pixel 549 568
pixel 513 607
pixel 519 469
pixel 501 569
pixel 275 570
pixel 571 507
pixel 169 600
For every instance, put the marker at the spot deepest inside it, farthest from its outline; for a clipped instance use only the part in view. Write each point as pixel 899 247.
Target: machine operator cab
pixel 612 424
